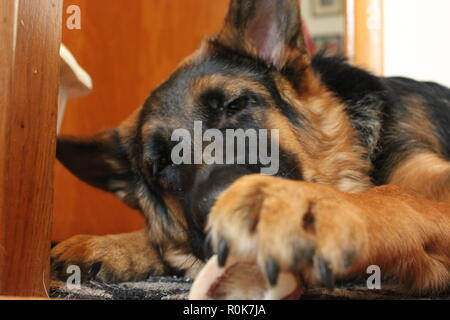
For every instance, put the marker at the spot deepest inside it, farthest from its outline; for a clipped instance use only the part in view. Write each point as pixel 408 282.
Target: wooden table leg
pixel 30 32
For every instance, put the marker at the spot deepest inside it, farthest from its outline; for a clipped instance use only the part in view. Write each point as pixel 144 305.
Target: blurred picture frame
pixel 332 44
pixel 327 7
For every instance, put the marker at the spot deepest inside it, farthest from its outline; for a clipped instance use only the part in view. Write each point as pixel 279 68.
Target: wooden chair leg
pixel 30 33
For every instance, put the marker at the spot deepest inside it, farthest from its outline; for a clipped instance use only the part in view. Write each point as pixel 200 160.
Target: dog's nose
pixel 210 182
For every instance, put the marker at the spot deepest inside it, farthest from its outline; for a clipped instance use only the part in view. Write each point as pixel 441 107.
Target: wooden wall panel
pixel 30 33
pixel 128 47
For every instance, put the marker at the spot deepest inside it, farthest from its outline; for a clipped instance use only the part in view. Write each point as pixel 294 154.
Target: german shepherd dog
pixel 363 179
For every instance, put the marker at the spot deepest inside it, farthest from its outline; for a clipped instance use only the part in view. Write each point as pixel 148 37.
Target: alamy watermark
pixel 374 280
pixel 73 21
pixel 229 146
pixel 74 280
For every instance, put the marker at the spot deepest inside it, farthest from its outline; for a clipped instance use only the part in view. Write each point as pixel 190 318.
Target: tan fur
pixel 424 174
pixel 127 129
pixel 231 85
pixel 407 237
pixel 183 260
pixel 329 150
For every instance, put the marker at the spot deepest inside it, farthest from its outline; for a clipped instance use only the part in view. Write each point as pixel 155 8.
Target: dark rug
pixel 174 288
pixel 154 288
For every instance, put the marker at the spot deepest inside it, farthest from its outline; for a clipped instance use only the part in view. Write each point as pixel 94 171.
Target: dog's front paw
pixel 112 258
pixel 288 226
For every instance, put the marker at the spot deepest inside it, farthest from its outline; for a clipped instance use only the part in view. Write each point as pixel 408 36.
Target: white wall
pixel 417 39
pixel 320 26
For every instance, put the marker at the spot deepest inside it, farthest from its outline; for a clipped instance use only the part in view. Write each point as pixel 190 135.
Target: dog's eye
pixel 239 104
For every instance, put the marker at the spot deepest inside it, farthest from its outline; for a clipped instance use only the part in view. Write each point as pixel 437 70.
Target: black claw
pixel 207 247
pixel 223 252
pixel 273 270
pixel 326 274
pixel 94 270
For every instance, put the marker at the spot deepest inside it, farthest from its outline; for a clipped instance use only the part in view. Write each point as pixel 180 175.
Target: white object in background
pixel 416 36
pixel 74 81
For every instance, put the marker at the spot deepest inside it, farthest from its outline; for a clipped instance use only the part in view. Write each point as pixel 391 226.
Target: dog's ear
pixel 101 161
pixel 270 30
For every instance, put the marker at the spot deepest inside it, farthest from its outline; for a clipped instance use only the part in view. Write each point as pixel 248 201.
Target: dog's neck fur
pixel 331 152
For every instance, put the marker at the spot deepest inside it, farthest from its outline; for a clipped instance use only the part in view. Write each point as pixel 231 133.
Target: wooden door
pixel 30 35
pixel 128 47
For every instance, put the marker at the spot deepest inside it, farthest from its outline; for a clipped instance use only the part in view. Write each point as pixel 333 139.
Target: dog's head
pixel 249 76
